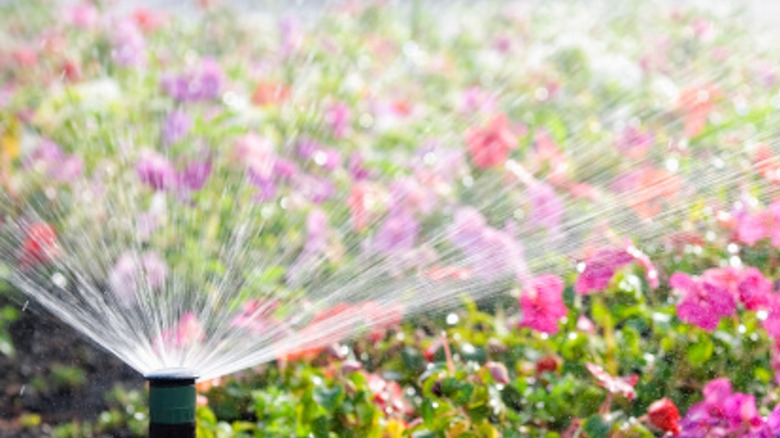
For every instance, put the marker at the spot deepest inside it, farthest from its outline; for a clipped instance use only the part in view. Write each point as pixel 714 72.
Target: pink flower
pixel 615 385
pixel 772 321
pixel 542 304
pixel 186 333
pixel 129 44
pixel 338 118
pixel 83 14
pixel 703 303
pixel 762 225
pixel 489 146
pixel 257 154
pixel 256 316
pixel 599 269
pixel 754 290
pixel 651 272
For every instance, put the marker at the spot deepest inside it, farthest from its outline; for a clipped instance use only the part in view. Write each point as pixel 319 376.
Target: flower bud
pixel 664 415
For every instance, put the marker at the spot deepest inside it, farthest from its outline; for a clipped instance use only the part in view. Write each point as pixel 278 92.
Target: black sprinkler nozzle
pixel 172 404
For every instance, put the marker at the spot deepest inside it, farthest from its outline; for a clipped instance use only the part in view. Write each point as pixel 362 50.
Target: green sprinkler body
pixel 172 404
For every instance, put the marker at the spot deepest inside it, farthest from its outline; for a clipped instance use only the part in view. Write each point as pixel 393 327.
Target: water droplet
pixel 321 158
pixel 672 164
pixel 59 280
pixel 452 319
pixel 366 120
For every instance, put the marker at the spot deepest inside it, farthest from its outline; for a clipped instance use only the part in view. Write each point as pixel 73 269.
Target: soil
pixel 29 382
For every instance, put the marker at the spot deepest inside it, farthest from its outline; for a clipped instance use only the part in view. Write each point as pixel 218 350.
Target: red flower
pixel 489 146
pixel 664 415
pixel 39 246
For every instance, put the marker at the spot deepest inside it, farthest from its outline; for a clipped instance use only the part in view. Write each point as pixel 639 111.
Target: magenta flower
pixel 175 127
pixel 600 268
pixel 156 171
pixel 703 303
pixel 398 233
pixel 542 303
pixel 722 413
pixel 754 290
pixel 547 207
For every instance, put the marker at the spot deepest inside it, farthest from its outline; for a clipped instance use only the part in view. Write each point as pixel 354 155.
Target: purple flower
pixel 356 167
pixel 201 84
pixel 129 45
pixel 315 189
pixel 703 303
pixel 546 207
pixel 490 252
pixel 175 127
pixel 122 279
pixel 156 171
pixel 600 268
pixel 155 268
pixel 398 232
pixel 55 163
pixel 195 175
pixel 131 273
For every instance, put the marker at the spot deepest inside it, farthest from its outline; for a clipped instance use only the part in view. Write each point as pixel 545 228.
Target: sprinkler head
pixel 172 403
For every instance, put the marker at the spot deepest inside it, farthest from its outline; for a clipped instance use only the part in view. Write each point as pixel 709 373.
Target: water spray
pixel 172 403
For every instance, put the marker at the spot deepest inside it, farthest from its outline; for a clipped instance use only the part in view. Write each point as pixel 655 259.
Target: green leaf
pixel 329 398
pixel 596 427
pixel 701 351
